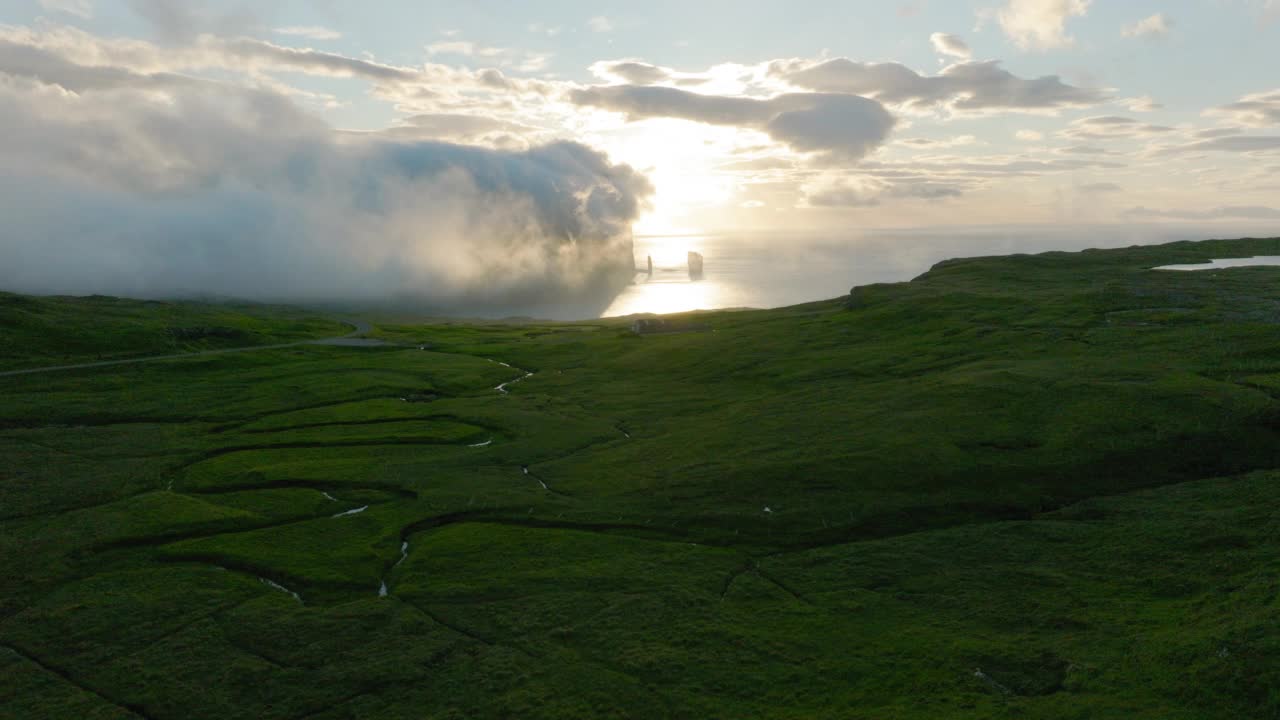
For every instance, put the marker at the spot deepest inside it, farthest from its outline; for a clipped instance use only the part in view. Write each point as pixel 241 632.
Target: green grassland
pixel 41 331
pixel 1018 487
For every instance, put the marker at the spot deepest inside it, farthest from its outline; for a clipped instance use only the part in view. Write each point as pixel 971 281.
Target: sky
pixel 268 122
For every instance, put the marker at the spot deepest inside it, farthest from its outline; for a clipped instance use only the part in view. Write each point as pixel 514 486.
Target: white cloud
pixel 869 191
pixel 1040 24
pixel 311 32
pixel 1239 143
pixel 1256 110
pixel 975 168
pixel 1100 188
pixel 933 144
pixel 76 60
pixel 527 62
pixel 1029 135
pixel 463 47
pixel 1146 103
pixel 80 8
pixel 1083 150
pixel 1236 212
pixel 1269 9
pixel 634 72
pixel 1111 127
pixel 846 193
pixel 1154 26
pixel 600 24
pixel 1211 133
pixel 461 127
pixel 951 45
pixel 541 29
pixel 533 62
pixel 1225 142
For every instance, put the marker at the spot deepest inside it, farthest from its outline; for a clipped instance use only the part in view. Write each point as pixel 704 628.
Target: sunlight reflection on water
pixel 764 270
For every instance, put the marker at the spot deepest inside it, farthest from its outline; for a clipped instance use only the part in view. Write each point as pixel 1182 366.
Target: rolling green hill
pixel 1017 487
pixel 39 331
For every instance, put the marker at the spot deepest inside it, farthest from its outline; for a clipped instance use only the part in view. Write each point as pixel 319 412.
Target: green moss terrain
pixel 1018 487
pixel 41 331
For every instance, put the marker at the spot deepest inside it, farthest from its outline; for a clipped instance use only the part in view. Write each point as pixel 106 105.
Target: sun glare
pixel 665 296
pixel 680 159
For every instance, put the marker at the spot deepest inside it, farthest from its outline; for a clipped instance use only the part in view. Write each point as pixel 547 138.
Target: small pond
pixel 1225 263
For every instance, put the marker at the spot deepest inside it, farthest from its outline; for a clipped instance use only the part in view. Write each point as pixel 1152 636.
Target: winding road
pixel 352 338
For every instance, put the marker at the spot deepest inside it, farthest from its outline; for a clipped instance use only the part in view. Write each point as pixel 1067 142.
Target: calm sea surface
pixel 775 269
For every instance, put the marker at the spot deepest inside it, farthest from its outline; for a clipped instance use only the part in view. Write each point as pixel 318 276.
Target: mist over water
pixel 233 192
pixel 767 270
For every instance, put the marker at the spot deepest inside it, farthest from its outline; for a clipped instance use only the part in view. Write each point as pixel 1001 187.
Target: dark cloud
pixel 842 127
pixel 967 86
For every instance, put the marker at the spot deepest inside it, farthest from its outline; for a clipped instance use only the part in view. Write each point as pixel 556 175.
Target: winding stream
pixel 281 588
pixel 503 387
pixel 383 590
pixel 525 468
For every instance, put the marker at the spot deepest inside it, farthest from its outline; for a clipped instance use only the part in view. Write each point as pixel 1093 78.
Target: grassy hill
pixel 40 331
pixel 1025 487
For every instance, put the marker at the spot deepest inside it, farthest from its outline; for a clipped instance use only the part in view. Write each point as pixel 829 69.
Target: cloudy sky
pixel 711 115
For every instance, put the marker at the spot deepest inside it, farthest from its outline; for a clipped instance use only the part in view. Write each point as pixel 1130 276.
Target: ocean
pixel 775 269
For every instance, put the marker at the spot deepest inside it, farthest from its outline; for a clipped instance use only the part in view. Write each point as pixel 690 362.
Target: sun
pixel 680 159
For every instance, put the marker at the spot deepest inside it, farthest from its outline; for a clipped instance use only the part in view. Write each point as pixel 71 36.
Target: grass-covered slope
pixel 67 330
pixel 1033 486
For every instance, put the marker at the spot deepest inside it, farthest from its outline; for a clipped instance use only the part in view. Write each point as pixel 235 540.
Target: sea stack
pixel 695 265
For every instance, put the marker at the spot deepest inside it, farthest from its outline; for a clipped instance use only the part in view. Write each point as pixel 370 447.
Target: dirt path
pixel 350 339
